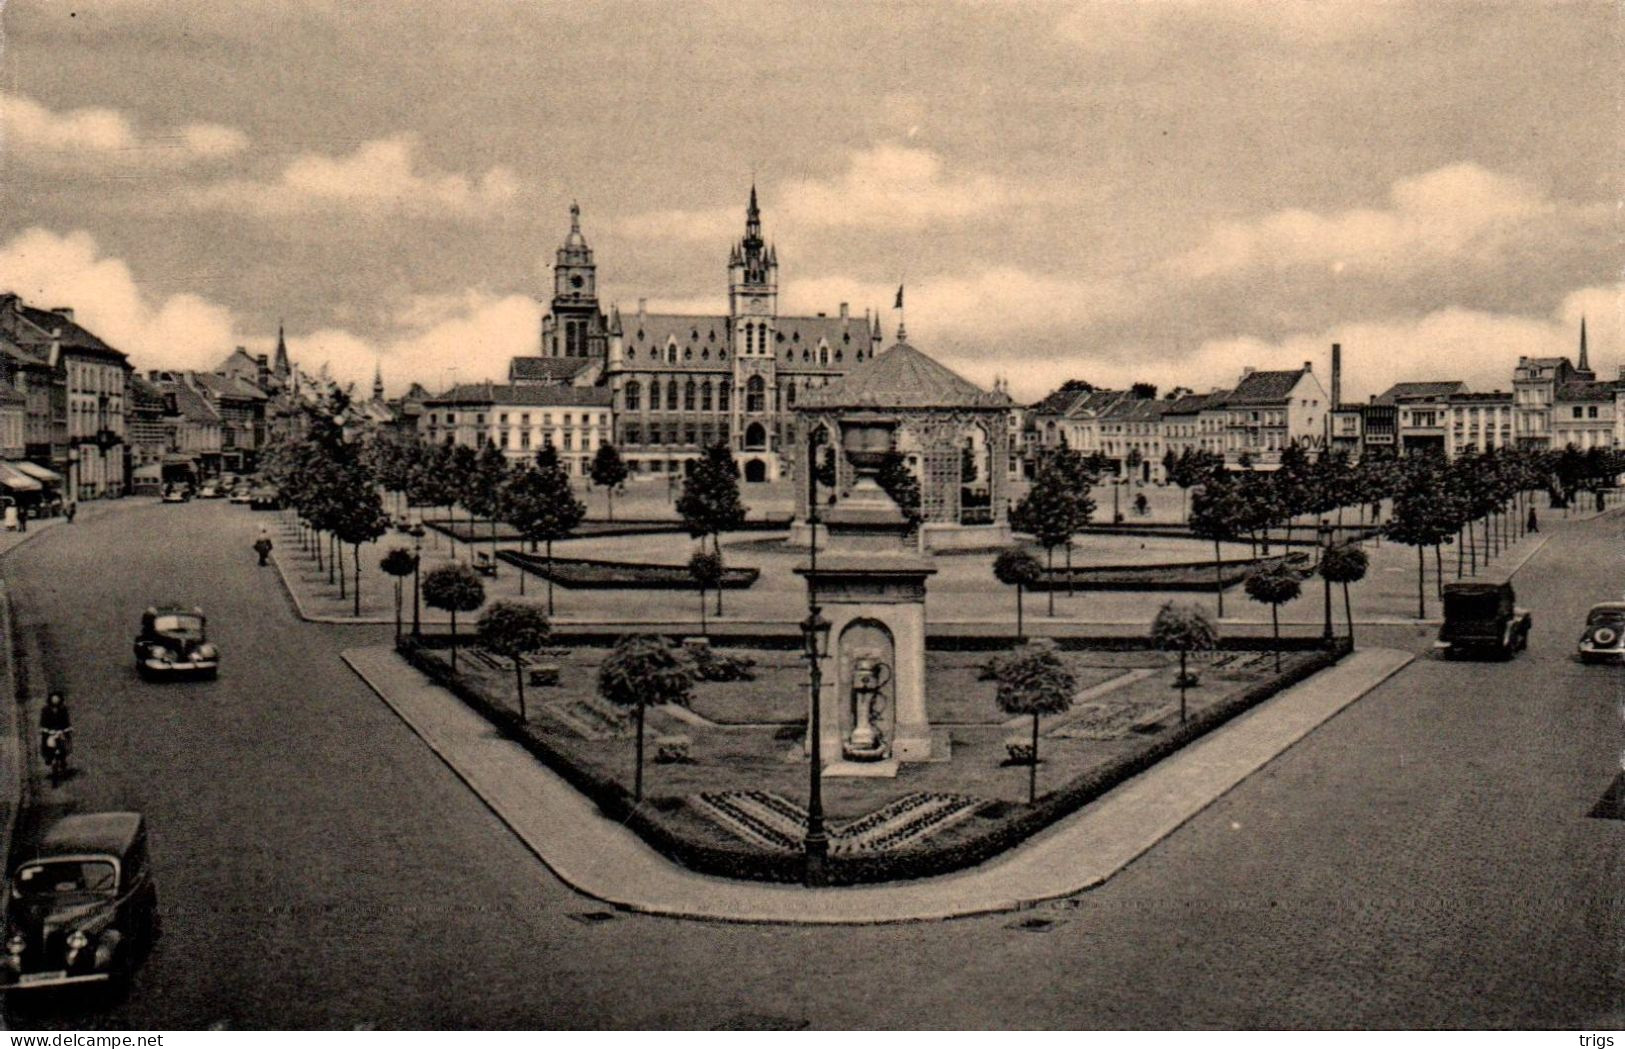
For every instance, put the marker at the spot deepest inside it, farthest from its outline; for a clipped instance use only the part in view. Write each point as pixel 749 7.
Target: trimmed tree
pixel 359 518
pixel 1345 563
pixel 1274 584
pixel 1417 519
pixel 641 670
pixel 465 477
pixel 489 493
pixel 1035 681
pixel 515 630
pixel 453 588
pixel 1215 514
pixel 706 570
pixel 1048 513
pixel 710 503
pixel 1016 567
pixel 1183 629
pixel 608 472
pixel 400 563
pixel 541 505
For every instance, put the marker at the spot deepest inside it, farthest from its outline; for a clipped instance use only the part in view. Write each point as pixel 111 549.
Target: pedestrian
pixel 71 509
pixel 262 546
pixel 1534 524
pixel 1601 501
pixel 53 717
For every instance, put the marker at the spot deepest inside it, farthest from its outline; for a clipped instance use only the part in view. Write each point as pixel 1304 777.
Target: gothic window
pixel 722 396
pixel 688 396
pixel 823 355
pixel 634 396
pixel 671 354
pixel 671 396
pixel 631 353
pixel 790 394
pixel 705 353
pixel 688 353
pixel 705 396
pixel 755 395
pixel 805 355
pixel 575 338
pixel 837 355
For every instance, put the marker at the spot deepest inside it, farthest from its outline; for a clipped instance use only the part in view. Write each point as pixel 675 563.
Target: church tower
pixel 753 306
pixel 574 326
pixel 280 367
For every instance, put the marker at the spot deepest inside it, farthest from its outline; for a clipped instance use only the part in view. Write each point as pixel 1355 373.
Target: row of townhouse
pixel 1248 425
pixel 521 418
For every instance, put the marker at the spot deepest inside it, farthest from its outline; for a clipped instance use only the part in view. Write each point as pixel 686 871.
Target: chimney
pixel 152 374
pixel 1337 374
pixel 846 311
pixel 1247 370
pixel 643 307
pixel 263 360
pixel 65 312
pixel 1308 366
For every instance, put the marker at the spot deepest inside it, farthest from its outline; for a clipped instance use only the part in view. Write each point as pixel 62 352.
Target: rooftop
pixel 1265 387
pixel 1420 391
pixel 482 393
pixel 902 377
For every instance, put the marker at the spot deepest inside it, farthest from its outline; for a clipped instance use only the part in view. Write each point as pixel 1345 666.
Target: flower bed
pixel 920 834
pixel 479 531
pixel 1184 575
pixel 580 573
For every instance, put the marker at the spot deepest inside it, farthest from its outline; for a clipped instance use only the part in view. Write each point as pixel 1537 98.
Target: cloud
pixel 178 331
pixel 1460 214
pixel 885 188
pixel 33 135
pixel 1111 29
pixel 382 177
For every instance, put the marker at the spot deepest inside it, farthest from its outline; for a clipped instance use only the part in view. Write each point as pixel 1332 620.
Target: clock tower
pixel 574 326
pixel 753 306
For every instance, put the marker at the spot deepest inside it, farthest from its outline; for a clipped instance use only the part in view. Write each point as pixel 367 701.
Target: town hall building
pixel 679 382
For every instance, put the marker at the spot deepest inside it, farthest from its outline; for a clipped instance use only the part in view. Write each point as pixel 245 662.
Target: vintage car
pixel 174 641
pixel 82 907
pixel 265 499
pixel 210 490
pixel 241 494
pixel 1604 636
pixel 176 493
pixel 1482 619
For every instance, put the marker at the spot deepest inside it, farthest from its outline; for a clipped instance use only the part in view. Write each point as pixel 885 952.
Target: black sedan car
pixel 83 907
pixel 1482 619
pixel 1603 640
pixel 174 641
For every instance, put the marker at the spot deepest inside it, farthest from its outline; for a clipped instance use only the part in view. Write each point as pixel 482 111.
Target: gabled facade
pixel 1270 410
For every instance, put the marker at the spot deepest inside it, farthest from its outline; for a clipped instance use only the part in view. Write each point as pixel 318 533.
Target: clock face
pixel 577 281
pixel 755 304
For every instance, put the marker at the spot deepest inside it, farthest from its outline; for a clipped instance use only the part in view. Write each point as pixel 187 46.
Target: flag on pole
pixel 899 298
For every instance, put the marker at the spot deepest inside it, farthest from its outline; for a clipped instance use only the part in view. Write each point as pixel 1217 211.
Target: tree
pixel 542 507
pixel 1143 391
pixel 432 480
pixel 465 476
pixel 898 481
pixel 1016 567
pixel 1183 629
pixel 1035 681
pixel 515 630
pixel 1416 518
pixel 400 563
pixel 489 492
pixel 608 472
pixel 358 518
pixel 710 503
pixel 1344 563
pixel 1274 584
pixel 453 588
pixel 642 669
pixel 706 570
pixel 1050 513
pixel 1215 514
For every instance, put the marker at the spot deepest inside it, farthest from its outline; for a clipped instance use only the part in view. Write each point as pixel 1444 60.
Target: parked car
pixel 265 499
pixel 241 495
pixel 83 907
pixel 1603 639
pixel 1482 619
pixel 174 641
pixel 174 493
pixel 210 491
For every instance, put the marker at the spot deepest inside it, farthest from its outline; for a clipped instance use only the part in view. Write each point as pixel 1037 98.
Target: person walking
pixel 71 509
pixel 262 546
pixel 1533 523
pixel 53 717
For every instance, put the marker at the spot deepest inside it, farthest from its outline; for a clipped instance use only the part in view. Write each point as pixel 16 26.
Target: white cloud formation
pixel 887 187
pixel 178 331
pixel 1453 213
pixel 383 176
pixel 32 134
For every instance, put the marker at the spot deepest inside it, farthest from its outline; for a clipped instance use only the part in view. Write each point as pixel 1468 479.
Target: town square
pixel 711 566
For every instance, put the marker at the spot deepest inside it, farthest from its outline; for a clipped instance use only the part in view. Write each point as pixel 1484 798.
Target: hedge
pixel 657 822
pixel 582 573
pixel 1180 575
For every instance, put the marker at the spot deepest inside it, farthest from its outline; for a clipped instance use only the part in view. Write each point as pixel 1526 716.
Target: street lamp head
pixel 815 630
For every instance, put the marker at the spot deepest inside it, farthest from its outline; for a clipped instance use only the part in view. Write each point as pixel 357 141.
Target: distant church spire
pixel 1585 365
pixel 281 367
pixel 378 381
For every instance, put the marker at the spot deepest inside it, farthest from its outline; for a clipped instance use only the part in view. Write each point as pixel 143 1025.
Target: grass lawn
pixel 757 743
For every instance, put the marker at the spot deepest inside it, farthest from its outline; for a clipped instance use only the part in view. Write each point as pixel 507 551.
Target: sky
pixel 1163 191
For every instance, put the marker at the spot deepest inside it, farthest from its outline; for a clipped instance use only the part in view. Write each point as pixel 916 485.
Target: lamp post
pixel 417 562
pixel 1325 530
pixel 815 630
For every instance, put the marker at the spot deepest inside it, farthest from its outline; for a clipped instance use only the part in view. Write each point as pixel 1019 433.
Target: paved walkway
pixel 604 860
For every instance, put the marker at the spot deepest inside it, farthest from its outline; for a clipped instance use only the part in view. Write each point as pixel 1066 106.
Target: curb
pixel 1050 865
pixel 12 752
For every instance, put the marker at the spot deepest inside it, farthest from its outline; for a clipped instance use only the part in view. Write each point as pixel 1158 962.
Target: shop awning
pixel 16 480
pixel 37 472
